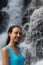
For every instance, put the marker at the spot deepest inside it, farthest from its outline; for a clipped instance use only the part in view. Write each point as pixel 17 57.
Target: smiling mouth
pixel 17 38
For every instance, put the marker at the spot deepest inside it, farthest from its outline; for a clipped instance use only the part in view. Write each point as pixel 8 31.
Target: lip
pixel 17 38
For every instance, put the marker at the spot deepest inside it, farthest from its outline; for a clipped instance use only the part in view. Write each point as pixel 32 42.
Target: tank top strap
pixel 7 47
pixel 9 50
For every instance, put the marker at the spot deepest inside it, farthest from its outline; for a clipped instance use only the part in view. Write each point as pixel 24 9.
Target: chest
pixel 17 59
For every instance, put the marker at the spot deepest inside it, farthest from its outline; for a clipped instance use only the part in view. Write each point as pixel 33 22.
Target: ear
pixel 9 34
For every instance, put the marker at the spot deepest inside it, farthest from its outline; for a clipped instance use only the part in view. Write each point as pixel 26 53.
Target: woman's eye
pixel 20 33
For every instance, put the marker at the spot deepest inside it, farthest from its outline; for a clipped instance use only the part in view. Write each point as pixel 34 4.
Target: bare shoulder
pixel 5 56
pixel 5 51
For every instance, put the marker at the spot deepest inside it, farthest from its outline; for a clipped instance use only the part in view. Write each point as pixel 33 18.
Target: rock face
pixel 4 17
pixel 3 3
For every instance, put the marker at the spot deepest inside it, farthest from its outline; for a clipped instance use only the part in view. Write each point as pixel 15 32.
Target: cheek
pixel 13 36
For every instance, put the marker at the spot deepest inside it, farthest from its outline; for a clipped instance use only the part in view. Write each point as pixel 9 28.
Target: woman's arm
pixel 5 56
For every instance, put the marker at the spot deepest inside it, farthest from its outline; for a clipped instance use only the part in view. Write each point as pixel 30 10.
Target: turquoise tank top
pixel 14 58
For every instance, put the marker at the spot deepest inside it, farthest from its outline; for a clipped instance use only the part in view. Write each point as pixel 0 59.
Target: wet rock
pixel 4 21
pixel 3 3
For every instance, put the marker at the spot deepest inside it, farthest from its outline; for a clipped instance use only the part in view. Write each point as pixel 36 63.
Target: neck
pixel 12 44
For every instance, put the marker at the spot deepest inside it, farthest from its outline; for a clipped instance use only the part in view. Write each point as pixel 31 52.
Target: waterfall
pixel 11 13
pixel 34 38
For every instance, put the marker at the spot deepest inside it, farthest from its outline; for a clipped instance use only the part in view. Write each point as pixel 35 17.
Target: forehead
pixel 16 29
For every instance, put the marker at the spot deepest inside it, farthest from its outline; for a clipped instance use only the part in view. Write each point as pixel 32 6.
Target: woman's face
pixel 16 35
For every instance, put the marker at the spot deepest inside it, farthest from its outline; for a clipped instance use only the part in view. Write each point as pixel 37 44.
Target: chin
pixel 17 43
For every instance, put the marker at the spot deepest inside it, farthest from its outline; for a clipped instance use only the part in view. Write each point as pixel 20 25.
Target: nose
pixel 19 35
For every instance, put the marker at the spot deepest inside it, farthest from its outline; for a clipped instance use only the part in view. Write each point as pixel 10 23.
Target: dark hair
pixel 10 30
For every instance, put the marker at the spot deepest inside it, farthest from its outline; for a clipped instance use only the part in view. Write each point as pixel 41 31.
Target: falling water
pixel 11 15
pixel 32 46
pixel 34 38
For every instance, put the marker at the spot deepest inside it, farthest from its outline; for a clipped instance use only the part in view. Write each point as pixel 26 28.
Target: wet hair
pixel 10 30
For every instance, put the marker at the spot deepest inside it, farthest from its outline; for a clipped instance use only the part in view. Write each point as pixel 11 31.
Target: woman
pixel 11 53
